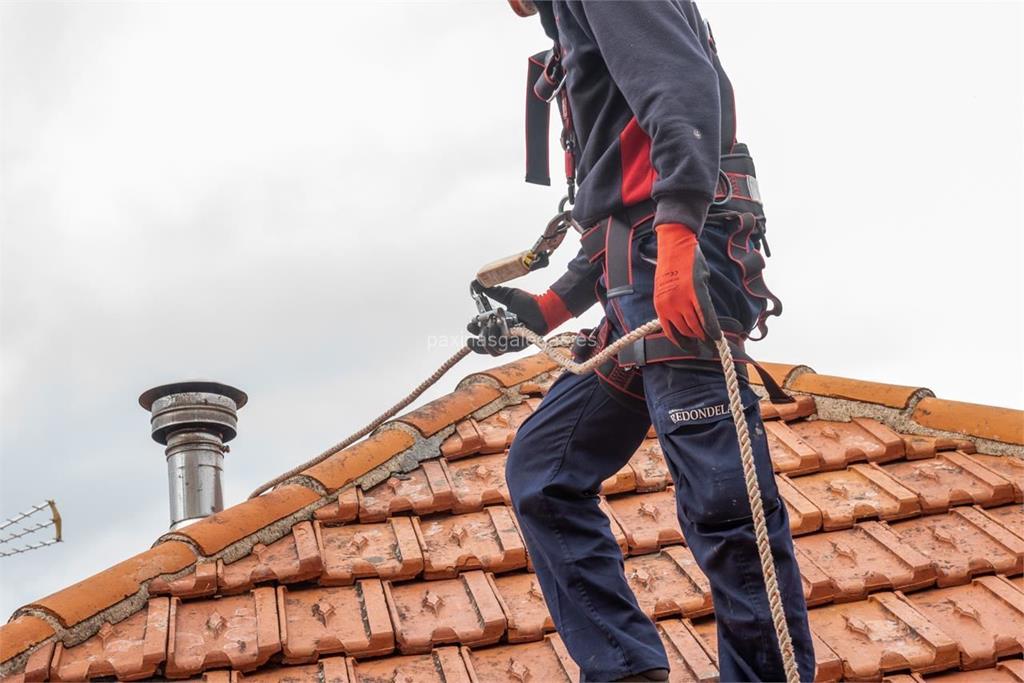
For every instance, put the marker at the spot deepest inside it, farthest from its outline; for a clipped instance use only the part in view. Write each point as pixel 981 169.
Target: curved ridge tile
pixel 221 529
pixel 1005 425
pixel 82 600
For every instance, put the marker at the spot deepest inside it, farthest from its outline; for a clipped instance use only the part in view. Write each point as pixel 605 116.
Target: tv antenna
pixel 26 524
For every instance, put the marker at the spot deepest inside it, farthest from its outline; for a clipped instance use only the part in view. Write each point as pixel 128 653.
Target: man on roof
pixel 673 229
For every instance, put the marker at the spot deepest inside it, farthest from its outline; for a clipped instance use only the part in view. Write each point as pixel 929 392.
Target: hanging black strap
pixel 538 119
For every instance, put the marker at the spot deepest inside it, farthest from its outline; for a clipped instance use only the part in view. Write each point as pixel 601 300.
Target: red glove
pixel 681 296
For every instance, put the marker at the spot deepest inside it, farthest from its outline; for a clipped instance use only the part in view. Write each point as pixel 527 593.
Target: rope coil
pixel 764 552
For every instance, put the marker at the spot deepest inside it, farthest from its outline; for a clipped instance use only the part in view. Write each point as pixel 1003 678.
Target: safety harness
pixel 736 205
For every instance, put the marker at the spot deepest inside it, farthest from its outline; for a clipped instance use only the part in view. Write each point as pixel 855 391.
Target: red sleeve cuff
pixel 553 309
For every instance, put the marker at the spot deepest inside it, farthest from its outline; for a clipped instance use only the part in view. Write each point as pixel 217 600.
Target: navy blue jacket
pixel 646 93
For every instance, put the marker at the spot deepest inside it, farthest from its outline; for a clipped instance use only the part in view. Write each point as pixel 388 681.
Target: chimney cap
pixel 148 397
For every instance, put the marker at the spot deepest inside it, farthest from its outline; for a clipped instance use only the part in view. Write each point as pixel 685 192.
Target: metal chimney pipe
pixel 195 421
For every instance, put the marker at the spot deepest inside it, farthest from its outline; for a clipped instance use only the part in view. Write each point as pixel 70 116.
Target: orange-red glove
pixel 681 296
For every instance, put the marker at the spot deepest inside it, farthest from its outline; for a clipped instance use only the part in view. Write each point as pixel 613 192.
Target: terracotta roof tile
pixel 963 543
pixel 669 583
pixel 460 610
pixel 891 395
pixel 623 481
pixel 818 586
pixel 200 582
pixel 687 658
pixel 478 481
pixel 221 529
pixel 37 667
pixel 883 634
pixel 648 520
pixel 294 557
pixel 650 471
pixel 1010 517
pixel 539 386
pixel 334 619
pixel 804 516
pixel 856 493
pixel 346 466
pixel 1008 467
pixel 388 550
pixel 790 453
pixel 988 422
pixel 919 446
pixel 521 370
pixel 802 406
pixel 842 443
pixel 344 509
pixel 357 591
pixel 441 412
pixel 477 540
pixel 492 434
pixel 828 666
pixel 85 598
pixel 1008 671
pixel 545 660
pixel 130 649
pixel 424 490
pixel 986 617
pixel 20 634
pixel 865 558
pixel 443 665
pixel 951 479
pixel 327 670
pixel 523 604
pixel 239 631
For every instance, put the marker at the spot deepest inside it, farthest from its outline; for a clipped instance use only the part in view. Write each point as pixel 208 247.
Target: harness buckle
pixel 635 354
pixel 723 178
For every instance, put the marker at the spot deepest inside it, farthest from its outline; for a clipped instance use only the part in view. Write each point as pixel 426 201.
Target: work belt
pixel 621 373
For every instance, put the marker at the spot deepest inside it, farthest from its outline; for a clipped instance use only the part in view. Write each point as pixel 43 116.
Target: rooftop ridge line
pixel 317 494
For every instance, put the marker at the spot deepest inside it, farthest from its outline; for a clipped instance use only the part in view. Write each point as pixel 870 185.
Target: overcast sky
pixel 293 197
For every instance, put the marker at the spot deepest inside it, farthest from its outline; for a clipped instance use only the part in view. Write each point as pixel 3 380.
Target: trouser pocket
pixel 698 436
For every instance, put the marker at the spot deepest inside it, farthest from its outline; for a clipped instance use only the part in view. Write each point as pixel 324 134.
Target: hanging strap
pixel 545 80
pixel 538 117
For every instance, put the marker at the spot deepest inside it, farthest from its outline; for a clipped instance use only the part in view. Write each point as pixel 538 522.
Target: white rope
pixel 764 552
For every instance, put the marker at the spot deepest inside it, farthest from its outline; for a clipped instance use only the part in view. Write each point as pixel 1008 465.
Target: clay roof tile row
pixel 894 530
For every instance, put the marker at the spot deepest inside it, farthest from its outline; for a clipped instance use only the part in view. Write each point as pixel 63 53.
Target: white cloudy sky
pixel 293 197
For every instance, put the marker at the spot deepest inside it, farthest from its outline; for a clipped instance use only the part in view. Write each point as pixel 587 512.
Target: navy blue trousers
pixel 582 433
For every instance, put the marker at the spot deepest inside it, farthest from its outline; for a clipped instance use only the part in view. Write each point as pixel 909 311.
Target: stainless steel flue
pixel 195 421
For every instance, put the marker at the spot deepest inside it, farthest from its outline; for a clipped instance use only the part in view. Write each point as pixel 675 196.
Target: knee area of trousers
pixel 727 511
pixel 522 481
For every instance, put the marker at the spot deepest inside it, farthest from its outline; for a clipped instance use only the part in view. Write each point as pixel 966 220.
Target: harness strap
pixel 657 347
pixel 545 78
pixel 742 242
pixel 538 118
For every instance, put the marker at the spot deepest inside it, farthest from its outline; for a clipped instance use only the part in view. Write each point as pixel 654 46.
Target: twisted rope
pixel 764 552
pixel 377 422
pixel 591 363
